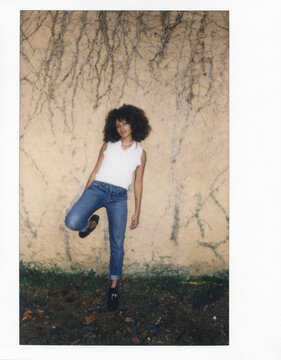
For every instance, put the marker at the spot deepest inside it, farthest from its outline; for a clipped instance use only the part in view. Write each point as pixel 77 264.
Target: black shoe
pixel 83 234
pixel 113 299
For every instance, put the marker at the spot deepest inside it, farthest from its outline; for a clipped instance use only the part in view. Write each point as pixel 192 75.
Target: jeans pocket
pixel 121 191
pixel 123 194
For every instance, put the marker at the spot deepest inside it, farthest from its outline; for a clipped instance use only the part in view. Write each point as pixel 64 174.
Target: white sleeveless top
pixel 119 165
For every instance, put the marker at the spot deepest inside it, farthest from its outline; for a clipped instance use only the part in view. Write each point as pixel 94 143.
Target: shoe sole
pixel 86 233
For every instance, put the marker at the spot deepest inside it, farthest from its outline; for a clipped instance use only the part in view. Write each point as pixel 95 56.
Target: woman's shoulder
pixel 139 146
pixel 141 150
pixel 110 146
pixel 104 146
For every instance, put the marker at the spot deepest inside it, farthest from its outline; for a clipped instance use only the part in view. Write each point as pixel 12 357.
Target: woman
pixel 121 162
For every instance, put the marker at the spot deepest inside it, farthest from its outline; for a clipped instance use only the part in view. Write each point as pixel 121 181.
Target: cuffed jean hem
pixel 114 277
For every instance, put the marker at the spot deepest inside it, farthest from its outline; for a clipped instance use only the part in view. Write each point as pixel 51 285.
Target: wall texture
pixel 78 65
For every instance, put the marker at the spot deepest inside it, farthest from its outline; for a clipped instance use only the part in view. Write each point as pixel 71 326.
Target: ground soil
pixel 169 312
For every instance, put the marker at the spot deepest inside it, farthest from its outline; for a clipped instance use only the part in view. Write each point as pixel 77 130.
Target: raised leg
pixel 90 201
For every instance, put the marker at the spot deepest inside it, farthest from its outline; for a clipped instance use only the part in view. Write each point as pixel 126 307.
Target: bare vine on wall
pixel 105 47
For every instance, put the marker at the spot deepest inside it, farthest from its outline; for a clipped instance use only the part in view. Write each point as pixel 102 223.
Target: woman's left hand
pixel 134 221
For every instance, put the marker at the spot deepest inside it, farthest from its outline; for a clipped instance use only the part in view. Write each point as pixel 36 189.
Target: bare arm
pixel 138 187
pixel 97 167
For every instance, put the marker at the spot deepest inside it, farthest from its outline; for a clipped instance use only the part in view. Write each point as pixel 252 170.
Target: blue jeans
pixel 114 199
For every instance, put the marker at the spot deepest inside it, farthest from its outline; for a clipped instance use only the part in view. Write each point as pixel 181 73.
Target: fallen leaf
pixel 89 319
pixel 135 340
pixel 92 300
pixel 39 311
pixel 128 319
pixel 53 326
pixel 27 315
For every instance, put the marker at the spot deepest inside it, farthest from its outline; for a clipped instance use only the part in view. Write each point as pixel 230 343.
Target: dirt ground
pixel 169 310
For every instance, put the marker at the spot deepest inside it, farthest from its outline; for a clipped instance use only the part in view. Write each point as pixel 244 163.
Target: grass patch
pixel 56 281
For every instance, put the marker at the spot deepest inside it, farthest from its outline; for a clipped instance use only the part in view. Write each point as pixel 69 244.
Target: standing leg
pixel 117 219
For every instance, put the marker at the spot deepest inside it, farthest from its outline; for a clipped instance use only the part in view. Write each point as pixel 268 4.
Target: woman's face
pixel 123 128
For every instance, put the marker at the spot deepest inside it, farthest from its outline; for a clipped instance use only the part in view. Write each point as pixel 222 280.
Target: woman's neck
pixel 127 140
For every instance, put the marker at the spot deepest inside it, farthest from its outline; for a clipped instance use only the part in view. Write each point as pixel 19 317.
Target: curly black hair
pixel 134 116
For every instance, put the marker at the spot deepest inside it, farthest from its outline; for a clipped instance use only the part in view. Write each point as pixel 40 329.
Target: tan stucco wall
pixel 75 67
